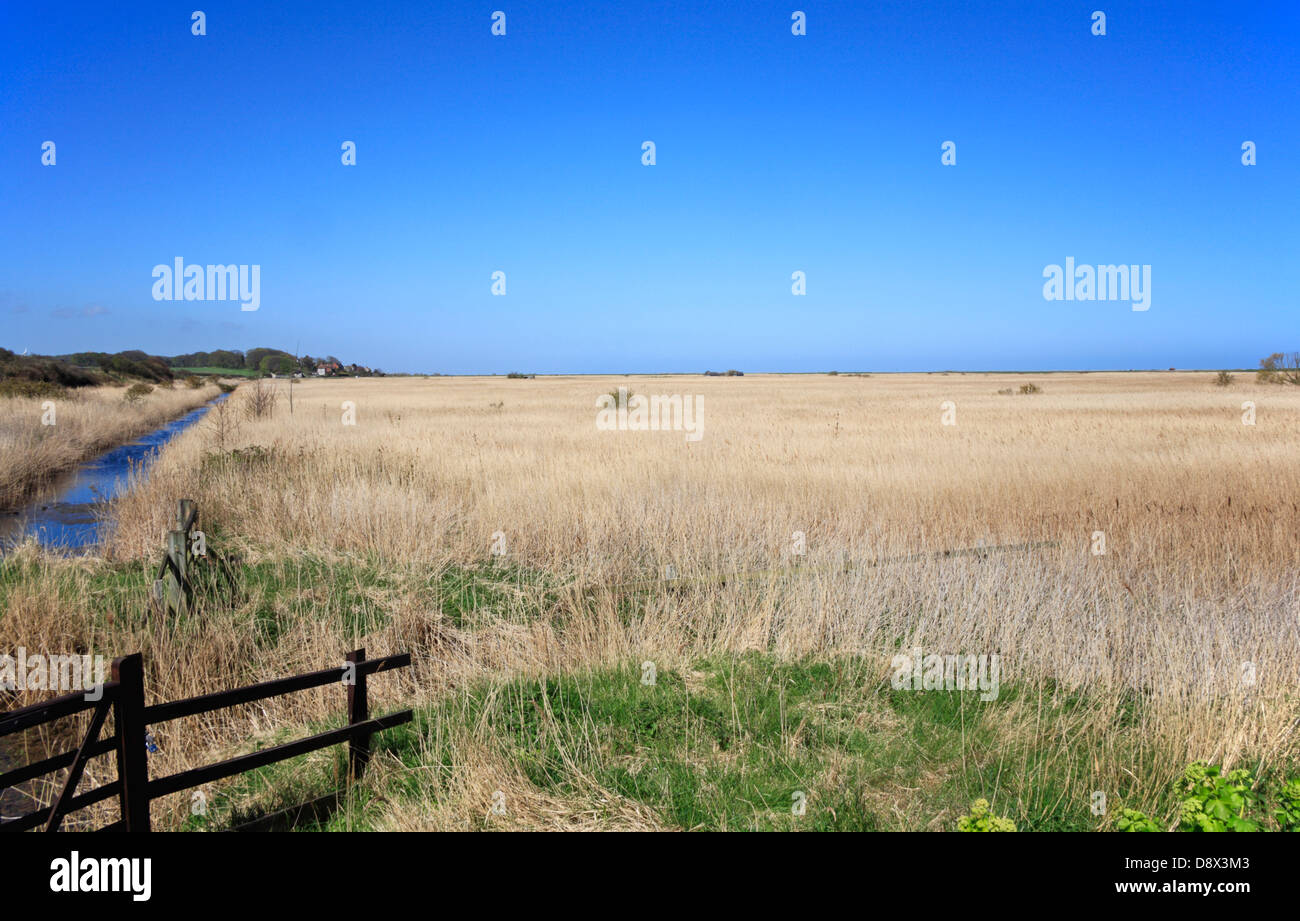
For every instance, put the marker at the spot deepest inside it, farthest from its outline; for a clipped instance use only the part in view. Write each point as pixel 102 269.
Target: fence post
pixel 186 516
pixel 358 712
pixel 132 763
pixel 178 585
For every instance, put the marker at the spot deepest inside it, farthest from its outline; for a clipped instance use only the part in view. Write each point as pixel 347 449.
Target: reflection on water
pixel 70 512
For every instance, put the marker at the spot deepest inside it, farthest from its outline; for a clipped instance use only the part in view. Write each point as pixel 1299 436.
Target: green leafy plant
pixel 1287 812
pixel 1214 801
pixel 982 819
pixel 1133 820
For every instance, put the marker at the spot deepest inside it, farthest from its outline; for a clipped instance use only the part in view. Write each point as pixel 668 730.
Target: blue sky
pixel 775 153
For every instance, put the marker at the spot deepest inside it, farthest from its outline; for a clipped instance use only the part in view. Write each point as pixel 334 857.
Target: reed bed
pixel 813 519
pixel 81 424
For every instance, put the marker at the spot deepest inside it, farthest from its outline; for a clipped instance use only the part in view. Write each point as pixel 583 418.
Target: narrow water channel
pixel 68 515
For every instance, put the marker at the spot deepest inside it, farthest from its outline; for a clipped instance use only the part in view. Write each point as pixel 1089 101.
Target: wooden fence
pixel 124 695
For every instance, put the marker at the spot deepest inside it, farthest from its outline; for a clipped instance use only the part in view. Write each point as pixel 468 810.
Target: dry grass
pixel 86 422
pixel 1199 513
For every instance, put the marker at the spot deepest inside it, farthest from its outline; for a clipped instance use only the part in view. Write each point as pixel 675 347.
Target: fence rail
pixel 124 695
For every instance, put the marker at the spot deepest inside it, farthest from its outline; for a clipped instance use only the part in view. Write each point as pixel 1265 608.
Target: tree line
pixel 267 361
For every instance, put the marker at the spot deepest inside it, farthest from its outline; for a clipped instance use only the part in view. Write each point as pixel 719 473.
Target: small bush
pixel 192 381
pixel 1030 388
pixel 137 392
pixel 1223 379
pixel 1132 820
pixel 261 402
pixel 626 396
pixel 1287 813
pixel 226 388
pixel 982 819
pixel 1214 801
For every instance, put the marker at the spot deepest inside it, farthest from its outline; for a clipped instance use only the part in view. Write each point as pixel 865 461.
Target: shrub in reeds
pixel 137 392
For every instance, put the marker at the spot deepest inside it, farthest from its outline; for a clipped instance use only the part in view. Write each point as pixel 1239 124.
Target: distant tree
pixel 1279 368
pixel 276 362
pixel 1291 368
pixel 253 357
pixel 226 358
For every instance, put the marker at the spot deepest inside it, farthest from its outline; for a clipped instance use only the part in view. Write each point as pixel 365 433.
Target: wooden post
pixel 173 592
pixel 178 551
pixel 132 763
pixel 358 712
pixel 177 582
pixel 186 516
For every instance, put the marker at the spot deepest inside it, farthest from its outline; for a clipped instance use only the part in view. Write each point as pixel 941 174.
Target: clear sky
pixel 775 153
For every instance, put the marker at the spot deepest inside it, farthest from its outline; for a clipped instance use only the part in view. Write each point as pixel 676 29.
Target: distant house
pixel 328 369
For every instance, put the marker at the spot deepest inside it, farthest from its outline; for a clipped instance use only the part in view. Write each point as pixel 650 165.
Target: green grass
pixel 354 594
pixel 723 743
pixel 226 372
pixel 730 744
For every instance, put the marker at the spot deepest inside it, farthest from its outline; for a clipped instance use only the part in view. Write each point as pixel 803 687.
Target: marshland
pixel 629 629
